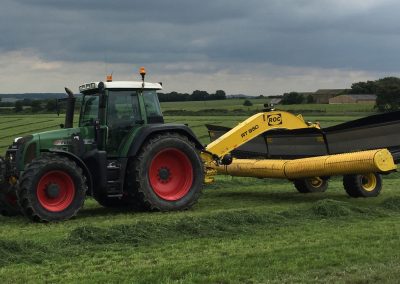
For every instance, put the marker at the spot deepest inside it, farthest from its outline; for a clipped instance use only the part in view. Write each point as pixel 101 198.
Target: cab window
pixel 153 109
pixel 90 110
pixel 123 109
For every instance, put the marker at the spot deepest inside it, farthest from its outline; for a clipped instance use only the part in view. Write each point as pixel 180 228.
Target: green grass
pixel 243 230
pixel 258 105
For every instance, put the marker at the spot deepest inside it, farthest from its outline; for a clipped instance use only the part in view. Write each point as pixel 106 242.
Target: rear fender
pixel 149 130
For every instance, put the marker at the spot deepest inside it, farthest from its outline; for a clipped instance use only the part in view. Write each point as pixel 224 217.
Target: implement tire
pixel 310 185
pixel 167 174
pixel 363 185
pixel 52 188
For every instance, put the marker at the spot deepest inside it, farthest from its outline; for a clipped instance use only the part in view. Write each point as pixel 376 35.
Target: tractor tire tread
pixel 137 170
pixel 25 201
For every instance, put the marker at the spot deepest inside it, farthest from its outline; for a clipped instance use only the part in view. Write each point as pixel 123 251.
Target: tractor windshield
pixel 89 110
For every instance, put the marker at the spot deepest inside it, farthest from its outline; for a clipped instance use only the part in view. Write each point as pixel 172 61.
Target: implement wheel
pixel 309 185
pixel 167 173
pixel 52 188
pixel 365 185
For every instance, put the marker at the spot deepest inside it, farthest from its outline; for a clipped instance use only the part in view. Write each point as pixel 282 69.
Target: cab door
pixel 123 116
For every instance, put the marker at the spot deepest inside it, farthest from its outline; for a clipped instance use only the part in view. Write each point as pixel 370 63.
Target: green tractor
pixel 121 153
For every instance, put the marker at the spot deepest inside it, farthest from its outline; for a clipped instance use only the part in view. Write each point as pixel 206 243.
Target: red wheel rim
pixel 61 197
pixel 171 174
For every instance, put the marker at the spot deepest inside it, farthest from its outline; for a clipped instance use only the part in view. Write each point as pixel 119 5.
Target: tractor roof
pixel 90 87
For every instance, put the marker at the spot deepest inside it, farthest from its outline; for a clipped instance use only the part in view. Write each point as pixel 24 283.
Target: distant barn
pixel 353 99
pixel 322 96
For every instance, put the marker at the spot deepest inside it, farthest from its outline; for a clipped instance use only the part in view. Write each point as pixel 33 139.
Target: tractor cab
pixel 117 109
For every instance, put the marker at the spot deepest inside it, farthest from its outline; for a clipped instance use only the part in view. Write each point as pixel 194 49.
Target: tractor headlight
pixel 22 140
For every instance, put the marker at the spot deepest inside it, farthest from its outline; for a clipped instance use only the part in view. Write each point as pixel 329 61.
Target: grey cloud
pixel 281 32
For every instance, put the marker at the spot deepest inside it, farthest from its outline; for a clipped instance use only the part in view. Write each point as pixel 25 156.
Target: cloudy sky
pixel 253 47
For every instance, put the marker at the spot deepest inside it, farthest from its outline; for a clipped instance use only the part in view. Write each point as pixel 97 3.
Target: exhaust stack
pixel 69 115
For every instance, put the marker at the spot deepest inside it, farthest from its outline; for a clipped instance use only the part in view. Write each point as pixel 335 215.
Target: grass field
pixel 258 104
pixel 243 230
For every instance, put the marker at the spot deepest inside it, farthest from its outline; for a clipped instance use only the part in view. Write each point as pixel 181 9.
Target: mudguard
pixel 79 162
pixel 151 129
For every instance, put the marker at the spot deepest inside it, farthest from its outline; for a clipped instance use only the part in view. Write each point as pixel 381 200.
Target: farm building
pixel 353 99
pixel 322 96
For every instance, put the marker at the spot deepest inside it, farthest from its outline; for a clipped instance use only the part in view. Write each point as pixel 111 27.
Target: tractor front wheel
pixel 167 173
pixel 363 185
pixel 309 185
pixel 52 188
pixel 8 201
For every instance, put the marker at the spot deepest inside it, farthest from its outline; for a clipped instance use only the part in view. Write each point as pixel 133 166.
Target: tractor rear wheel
pixel 363 185
pixel 52 188
pixel 8 201
pixel 309 185
pixel 167 173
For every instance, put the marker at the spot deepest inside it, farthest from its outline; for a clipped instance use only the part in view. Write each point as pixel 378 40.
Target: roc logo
pixel 274 119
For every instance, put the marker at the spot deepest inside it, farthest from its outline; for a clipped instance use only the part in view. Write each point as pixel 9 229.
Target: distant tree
pixel 368 87
pixel 51 105
pixel 247 103
pixel 310 99
pixel 36 106
pixel 219 95
pixel 18 106
pixel 388 94
pixel 173 97
pixel 26 102
pixel 292 98
pixel 199 96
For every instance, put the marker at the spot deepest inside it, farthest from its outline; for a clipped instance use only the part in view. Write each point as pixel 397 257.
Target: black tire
pixel 310 185
pixel 165 160
pixel 363 185
pixel 8 201
pixel 52 188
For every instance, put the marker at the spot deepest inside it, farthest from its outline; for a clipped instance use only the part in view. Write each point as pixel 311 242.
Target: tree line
pixel 195 96
pixel 387 91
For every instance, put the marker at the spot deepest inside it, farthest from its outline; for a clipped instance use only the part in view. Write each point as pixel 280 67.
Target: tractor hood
pixel 58 139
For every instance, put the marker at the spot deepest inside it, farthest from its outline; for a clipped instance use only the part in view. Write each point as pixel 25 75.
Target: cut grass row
pixel 242 231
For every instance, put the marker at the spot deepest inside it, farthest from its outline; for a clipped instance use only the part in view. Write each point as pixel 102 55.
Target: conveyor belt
pixel 371 132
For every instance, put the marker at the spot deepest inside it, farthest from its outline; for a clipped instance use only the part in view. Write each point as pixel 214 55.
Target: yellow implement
pixel 361 170
pixel 254 126
pixel 342 164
